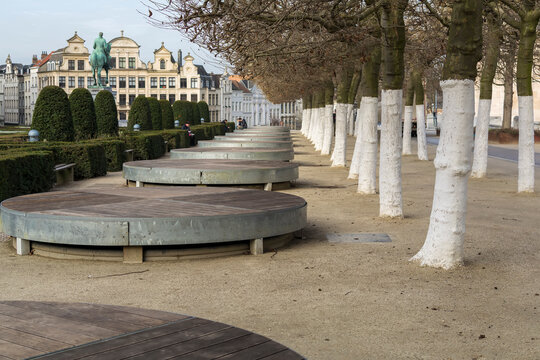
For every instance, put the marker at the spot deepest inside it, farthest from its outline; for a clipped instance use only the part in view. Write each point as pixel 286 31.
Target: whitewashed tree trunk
pixel 319 130
pixel 479 166
pixel 340 146
pixel 350 119
pixel 526 144
pixel 421 132
pixel 390 198
pixel 313 123
pixel 328 130
pixel 407 126
pixel 355 162
pixel 306 119
pixel 444 242
pixel 358 124
pixel 367 171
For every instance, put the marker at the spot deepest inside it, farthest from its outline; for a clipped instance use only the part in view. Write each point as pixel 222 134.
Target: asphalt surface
pixel 496 152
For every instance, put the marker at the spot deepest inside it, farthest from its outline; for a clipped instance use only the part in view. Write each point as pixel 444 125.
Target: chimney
pixel 43 55
pixel 179 60
pixel 34 59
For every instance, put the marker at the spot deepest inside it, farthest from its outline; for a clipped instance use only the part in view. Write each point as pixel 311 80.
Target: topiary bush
pixel 83 114
pixel 204 112
pixel 196 114
pixel 52 115
pixel 114 152
pixel 155 113
pixel 106 114
pixel 140 114
pixel 167 116
pixel 183 111
pixel 25 171
pixel 147 146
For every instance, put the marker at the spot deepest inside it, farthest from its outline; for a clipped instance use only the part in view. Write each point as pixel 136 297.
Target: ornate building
pixel 12 92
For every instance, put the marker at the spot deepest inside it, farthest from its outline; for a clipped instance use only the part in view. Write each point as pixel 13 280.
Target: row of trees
pixel 349 50
pixel 153 114
pixel 79 117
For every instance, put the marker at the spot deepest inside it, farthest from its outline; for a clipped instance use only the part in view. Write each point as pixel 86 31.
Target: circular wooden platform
pixel 247 144
pixel 49 330
pixel 272 154
pixel 210 172
pixel 151 216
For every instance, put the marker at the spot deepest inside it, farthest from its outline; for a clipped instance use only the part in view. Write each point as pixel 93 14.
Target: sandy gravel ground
pixel 343 301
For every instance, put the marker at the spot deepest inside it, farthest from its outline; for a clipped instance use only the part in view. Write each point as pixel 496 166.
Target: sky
pixel 30 27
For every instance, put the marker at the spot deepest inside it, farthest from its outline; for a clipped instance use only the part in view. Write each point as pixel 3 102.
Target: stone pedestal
pixel 95 89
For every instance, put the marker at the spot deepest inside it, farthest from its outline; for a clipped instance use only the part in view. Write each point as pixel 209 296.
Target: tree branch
pixel 435 13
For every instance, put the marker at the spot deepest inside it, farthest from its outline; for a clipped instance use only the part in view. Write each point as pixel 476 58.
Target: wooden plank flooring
pixel 47 330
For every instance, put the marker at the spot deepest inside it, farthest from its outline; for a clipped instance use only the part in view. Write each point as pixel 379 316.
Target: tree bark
pixel 444 241
pixel 408 116
pixel 329 119
pixel 420 117
pixel 508 96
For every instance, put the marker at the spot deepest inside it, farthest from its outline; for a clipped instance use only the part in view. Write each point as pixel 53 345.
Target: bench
pixel 130 154
pixel 64 173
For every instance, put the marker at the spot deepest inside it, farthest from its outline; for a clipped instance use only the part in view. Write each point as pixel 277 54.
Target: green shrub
pixel 114 152
pixel 167 116
pixel 13 138
pixel 175 138
pixel 52 115
pixel 204 112
pixel 147 146
pixel 183 111
pixel 231 126
pixel 196 117
pixel 140 114
pixel 25 172
pixel 83 114
pixel 155 113
pixel 106 114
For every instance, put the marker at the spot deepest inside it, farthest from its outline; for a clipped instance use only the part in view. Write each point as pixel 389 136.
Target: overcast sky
pixel 30 27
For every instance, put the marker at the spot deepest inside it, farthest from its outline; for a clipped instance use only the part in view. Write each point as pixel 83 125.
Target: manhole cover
pixel 358 238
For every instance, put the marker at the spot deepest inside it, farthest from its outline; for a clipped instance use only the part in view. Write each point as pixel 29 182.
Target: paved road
pixel 496 152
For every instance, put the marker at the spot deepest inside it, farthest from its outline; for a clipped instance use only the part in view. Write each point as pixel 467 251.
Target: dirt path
pixel 343 301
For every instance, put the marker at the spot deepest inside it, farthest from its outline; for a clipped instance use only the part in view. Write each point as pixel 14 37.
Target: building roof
pixel 44 60
pixel 201 70
pixel 239 86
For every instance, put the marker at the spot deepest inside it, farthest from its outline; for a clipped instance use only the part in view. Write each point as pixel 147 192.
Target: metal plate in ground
pixel 358 238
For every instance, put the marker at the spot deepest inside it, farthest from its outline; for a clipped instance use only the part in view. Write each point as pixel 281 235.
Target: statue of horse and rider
pixel 100 59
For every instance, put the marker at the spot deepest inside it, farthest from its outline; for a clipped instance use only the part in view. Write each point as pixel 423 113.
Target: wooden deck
pixel 46 330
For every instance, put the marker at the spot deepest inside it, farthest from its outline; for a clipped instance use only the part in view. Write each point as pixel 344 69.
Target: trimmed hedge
pixel 167 116
pixel 89 158
pixel 114 152
pixel 196 115
pixel 83 114
pixel 147 146
pixel 204 112
pixel 52 115
pixel 140 114
pixel 175 138
pixel 155 113
pixel 231 126
pixel 25 172
pixel 183 111
pixel 106 114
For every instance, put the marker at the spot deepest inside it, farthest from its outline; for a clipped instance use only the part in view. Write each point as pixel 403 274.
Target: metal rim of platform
pixel 271 154
pixel 261 144
pixel 210 172
pixel 210 215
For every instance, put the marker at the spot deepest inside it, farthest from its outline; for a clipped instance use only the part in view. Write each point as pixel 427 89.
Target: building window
pixel 62 81
pixel 183 97
pixel 193 83
pixel 162 64
pixel 80 64
pixel 112 63
pixel 122 99
pixel 153 82
pixel 90 81
pixel 71 64
pixel 142 83
pixel 122 115
pixel 172 82
pixel 193 97
pixel 183 83
pixel 131 99
pixel 71 81
pixel 122 63
pixel 172 98
pixel 202 97
pixel 112 81
pixel 154 96
pixel 131 63
pixel 162 96
pixel 132 82
pixel 122 82
pixel 80 81
pixel 162 82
